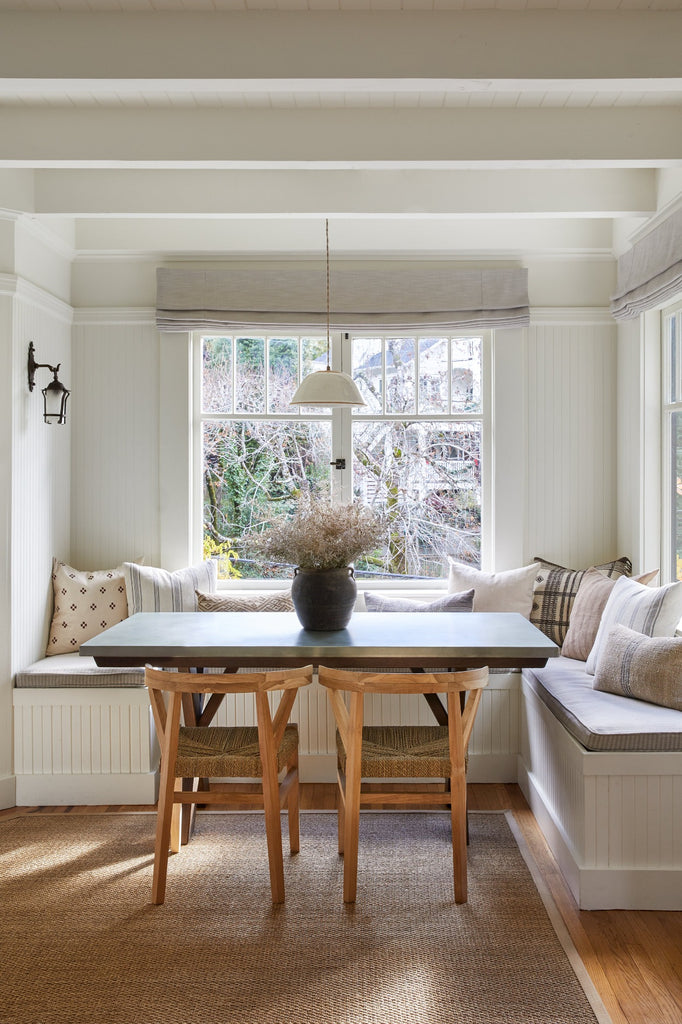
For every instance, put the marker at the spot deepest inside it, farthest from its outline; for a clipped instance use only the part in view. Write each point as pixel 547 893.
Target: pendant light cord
pixel 326 231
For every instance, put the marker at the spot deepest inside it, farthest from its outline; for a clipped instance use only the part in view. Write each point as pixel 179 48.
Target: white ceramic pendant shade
pixel 327 387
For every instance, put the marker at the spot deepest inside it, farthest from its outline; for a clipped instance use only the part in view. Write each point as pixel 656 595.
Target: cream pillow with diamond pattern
pixel 85 604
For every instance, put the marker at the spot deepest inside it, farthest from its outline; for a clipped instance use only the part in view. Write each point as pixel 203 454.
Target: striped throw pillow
pixel 156 590
pixel 644 667
pixel 654 611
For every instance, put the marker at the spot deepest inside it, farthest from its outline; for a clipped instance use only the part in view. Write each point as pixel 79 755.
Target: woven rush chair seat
pixel 210 752
pixel 402 752
pixel 193 753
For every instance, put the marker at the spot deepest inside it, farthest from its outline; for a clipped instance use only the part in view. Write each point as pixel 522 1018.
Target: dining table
pixel 401 640
pixel 406 641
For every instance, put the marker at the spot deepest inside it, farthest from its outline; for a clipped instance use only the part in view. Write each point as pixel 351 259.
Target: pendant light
pixel 327 387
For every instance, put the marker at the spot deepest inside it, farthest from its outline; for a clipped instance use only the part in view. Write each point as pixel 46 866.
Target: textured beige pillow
pixel 221 602
pixel 85 604
pixel 510 591
pixel 646 667
pixel 590 601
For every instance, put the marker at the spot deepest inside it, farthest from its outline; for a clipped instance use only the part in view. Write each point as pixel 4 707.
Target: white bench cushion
pixel 69 670
pixel 602 721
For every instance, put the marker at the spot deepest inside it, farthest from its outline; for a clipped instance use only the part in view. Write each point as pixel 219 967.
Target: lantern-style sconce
pixel 55 395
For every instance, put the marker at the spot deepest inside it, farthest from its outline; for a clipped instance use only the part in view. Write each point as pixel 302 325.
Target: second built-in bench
pixel 603 776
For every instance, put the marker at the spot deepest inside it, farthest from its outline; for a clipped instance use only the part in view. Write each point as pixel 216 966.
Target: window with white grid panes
pixel 414 452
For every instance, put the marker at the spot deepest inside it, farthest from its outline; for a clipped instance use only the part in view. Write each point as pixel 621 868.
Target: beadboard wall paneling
pixel 571 447
pixel 115 451
pixel 40 474
pixel 84 746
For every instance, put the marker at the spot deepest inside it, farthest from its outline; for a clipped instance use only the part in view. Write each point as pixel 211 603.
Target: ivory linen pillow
pixel 654 611
pixel 590 601
pixel 156 590
pixel 85 604
pixel 510 591
pixel 645 667
pixel 221 602
pixel 463 602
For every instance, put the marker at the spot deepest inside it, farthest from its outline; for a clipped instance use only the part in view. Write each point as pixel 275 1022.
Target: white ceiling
pixel 473 128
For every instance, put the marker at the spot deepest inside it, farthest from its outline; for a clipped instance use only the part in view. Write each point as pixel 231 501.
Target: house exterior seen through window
pixel 413 452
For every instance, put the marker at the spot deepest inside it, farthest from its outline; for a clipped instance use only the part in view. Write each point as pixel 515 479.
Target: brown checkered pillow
pixel 85 604
pixel 554 592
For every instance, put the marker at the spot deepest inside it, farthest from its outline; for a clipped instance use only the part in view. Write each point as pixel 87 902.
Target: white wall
pixel 572 441
pixel 115 468
pixel 35 474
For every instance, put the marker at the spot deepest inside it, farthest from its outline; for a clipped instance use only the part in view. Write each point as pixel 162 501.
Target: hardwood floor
pixel 634 958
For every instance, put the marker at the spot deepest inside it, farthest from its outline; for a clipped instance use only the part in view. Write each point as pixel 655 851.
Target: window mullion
pixel 342 447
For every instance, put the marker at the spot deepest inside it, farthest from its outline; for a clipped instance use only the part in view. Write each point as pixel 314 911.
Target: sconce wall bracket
pixel 33 366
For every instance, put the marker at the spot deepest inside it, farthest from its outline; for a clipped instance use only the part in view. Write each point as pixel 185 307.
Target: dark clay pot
pixel 324 599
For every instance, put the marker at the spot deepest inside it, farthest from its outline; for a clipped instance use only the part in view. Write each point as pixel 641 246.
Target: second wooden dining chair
pixel 201 751
pixel 402 752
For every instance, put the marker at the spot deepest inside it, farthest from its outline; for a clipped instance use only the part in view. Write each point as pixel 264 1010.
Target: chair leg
pixel 177 820
pixel 293 807
pixel 340 811
pixel 352 808
pixel 273 826
pixel 166 804
pixel 458 801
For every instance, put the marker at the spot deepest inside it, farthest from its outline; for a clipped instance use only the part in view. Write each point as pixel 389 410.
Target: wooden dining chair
pixel 402 752
pixel 201 751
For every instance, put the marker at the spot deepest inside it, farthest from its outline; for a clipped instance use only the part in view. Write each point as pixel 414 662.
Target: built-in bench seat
pixel 83 734
pixel 603 776
pixel 72 670
pixel 599 720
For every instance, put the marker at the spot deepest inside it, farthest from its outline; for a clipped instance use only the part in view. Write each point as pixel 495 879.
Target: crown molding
pixel 24 291
pixel 114 315
pixel 674 206
pixel 569 315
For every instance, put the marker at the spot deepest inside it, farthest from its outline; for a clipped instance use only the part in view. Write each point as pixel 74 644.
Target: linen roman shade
pixel 364 296
pixel 650 273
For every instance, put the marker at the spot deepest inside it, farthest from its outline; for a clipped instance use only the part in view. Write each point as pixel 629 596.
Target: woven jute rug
pixel 80 942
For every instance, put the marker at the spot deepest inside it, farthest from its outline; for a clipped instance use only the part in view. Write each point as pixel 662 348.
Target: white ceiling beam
pixel 366 193
pixel 342 45
pixel 90 137
pixel 290 91
pixel 380 237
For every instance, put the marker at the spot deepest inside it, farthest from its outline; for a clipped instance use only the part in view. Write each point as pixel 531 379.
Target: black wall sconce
pixel 55 395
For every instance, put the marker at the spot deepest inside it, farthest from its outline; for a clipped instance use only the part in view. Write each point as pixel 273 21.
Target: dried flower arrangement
pixel 322 536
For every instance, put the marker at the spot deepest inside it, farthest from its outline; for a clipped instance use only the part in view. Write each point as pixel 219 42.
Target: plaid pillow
pixel 554 592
